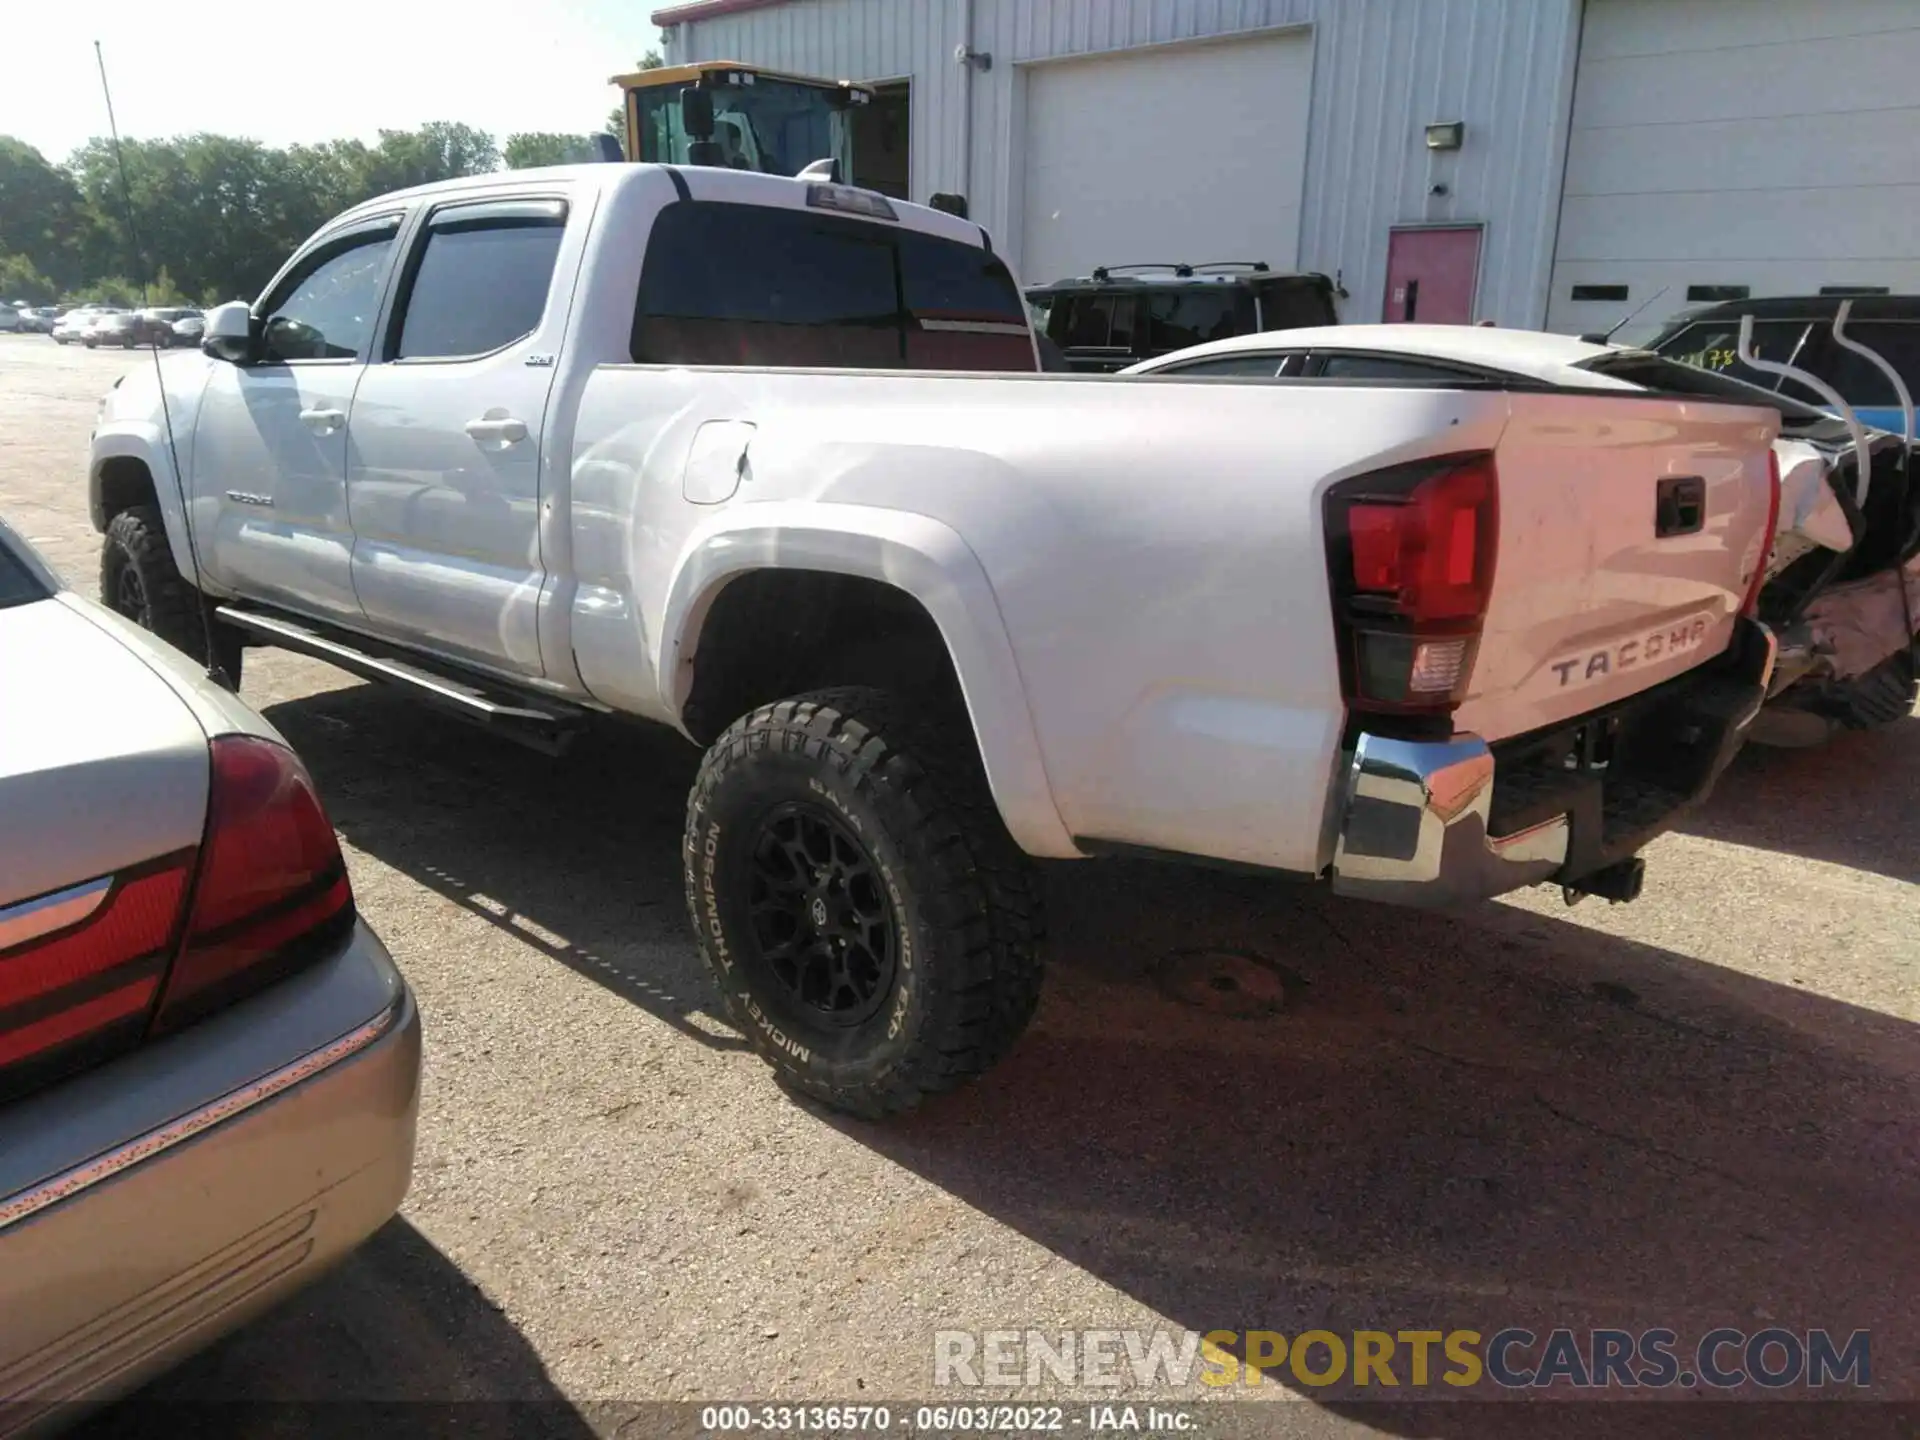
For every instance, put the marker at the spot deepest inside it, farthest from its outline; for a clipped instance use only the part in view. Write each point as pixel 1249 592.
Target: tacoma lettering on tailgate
pixel 1654 645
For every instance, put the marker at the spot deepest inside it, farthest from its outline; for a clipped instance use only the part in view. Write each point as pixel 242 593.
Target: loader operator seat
pixel 733 153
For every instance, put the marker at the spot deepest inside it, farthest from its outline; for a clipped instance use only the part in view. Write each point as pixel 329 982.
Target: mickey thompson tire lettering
pixel 965 901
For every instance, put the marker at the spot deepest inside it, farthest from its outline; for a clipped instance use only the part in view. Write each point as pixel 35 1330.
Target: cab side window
pixel 481 279
pixel 327 312
pixel 1380 367
pixel 1263 367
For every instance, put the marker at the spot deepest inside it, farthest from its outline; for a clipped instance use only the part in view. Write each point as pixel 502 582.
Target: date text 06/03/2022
pixel 1725 1358
pixel 966 1419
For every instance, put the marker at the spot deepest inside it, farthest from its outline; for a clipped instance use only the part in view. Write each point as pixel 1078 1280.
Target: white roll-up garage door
pixel 1180 153
pixel 1770 144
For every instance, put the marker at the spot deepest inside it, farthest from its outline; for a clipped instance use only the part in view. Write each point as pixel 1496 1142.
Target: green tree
pixel 202 209
pixel 112 290
pixel 546 147
pixel 43 217
pixel 214 216
pixel 21 280
pixel 438 150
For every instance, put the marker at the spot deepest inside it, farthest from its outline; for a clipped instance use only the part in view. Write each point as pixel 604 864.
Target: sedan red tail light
pixel 271 876
pixel 158 946
pixel 1411 553
pixel 68 995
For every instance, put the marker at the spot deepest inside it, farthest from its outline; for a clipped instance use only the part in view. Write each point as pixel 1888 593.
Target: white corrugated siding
pixel 1735 142
pixel 1383 70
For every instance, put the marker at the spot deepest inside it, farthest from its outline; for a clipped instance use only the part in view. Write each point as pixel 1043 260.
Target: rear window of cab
pixel 728 284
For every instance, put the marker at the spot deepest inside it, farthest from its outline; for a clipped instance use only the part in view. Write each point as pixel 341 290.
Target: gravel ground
pixel 1694 1111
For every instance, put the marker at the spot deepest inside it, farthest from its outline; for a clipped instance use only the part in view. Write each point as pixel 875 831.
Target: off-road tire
pixel 139 580
pixel 907 785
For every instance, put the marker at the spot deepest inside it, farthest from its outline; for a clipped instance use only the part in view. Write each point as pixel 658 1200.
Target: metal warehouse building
pixel 1537 162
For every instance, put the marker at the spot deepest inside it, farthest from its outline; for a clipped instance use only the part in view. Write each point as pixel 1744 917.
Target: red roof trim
pixel 709 10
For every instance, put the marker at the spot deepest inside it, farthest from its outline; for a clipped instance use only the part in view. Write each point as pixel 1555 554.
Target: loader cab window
pixel 773 126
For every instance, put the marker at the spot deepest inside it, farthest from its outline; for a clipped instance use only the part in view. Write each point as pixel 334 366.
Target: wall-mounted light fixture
pixel 1446 136
pixel 978 59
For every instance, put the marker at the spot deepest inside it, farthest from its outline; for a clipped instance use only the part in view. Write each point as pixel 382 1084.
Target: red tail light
pixel 271 875
pixel 88 985
pixel 103 964
pixel 1751 605
pixel 1412 554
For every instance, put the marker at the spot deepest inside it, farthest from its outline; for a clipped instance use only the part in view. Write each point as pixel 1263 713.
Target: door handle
pixel 324 422
pixel 504 429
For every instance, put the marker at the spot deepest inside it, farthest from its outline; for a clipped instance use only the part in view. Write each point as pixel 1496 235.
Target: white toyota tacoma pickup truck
pixel 748 456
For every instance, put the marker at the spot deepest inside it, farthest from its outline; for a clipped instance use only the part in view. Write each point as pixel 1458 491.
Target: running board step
pixel 548 726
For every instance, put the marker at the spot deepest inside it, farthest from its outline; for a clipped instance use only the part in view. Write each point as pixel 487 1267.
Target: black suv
pixel 1122 314
pixel 1798 330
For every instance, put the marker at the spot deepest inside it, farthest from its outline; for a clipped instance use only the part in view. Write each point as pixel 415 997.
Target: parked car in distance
pixel 189 328
pixel 754 466
pixel 1798 330
pixel 10 319
pixel 71 327
pixel 154 325
pixel 113 327
pixel 1123 314
pixel 1847 648
pixel 209 1065
pixel 39 318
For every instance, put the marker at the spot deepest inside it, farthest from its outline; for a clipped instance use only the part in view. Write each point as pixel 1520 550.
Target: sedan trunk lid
pixel 102 765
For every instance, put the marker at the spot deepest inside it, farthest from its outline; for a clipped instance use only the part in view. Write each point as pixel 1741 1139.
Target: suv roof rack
pixel 1181 269
pixel 1103 272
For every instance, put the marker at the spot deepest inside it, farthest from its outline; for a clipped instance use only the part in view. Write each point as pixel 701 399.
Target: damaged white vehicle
pixel 1833 593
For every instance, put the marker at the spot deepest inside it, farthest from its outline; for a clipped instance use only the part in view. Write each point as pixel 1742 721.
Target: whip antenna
pixel 214 672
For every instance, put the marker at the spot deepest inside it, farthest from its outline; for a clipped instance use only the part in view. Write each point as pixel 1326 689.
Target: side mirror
pixel 696 112
pixel 611 151
pixel 231 334
pixel 952 204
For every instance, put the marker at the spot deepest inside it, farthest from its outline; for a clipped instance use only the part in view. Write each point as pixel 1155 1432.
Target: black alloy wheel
pixel 821 919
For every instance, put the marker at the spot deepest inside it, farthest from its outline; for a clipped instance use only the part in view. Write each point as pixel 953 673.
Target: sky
pixel 314 69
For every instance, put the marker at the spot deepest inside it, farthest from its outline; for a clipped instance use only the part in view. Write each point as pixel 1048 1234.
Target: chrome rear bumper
pixel 1414 817
pixel 1415 827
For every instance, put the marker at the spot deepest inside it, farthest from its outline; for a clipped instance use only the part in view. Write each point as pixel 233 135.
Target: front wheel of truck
pixel 871 926
pixel 139 580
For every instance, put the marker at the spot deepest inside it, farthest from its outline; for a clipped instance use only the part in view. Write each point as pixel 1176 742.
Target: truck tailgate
pixel 1630 530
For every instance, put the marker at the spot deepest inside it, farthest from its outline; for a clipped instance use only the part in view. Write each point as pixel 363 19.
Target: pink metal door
pixel 1431 275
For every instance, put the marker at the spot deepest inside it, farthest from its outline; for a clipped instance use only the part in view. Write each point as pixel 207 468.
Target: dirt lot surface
pixel 1692 1112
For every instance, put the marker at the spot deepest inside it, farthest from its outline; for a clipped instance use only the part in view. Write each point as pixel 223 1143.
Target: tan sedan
pixel 209 1066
